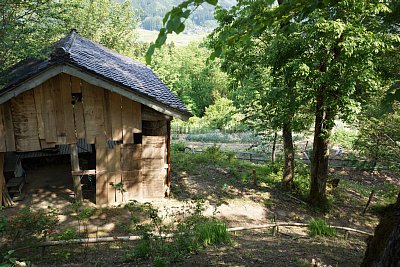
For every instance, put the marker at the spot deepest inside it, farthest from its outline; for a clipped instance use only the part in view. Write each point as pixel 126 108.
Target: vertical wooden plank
pixel 79 118
pixel 93 99
pixel 137 117
pixel 75 85
pixel 116 116
pixel 114 173
pixel 101 175
pixel 127 120
pixel 2 179
pixel 59 110
pixel 25 122
pixel 168 180
pixel 66 97
pixel 107 115
pixel 38 95
pixel 3 147
pixel 49 117
pixel 9 126
pixel 75 167
pixel 131 171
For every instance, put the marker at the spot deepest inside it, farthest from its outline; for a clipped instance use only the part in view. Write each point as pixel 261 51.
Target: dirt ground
pixel 236 204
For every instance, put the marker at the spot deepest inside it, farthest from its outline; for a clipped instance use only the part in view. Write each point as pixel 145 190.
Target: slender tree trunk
pixel 288 169
pixel 320 160
pixel 273 156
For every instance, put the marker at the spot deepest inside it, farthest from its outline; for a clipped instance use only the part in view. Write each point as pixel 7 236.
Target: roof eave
pixel 42 76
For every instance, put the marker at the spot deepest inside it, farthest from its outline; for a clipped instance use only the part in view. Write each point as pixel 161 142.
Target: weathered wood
pixel 168 181
pixel 49 117
pixel 2 179
pixel 107 115
pixel 75 168
pixel 101 178
pixel 127 120
pixel 86 172
pixel 153 151
pixel 9 126
pixel 59 110
pixel 149 114
pixel 116 116
pixel 131 158
pixel 153 183
pixel 369 201
pixel 79 118
pixel 3 147
pixel 25 122
pixel 66 96
pixel 39 96
pixel 93 99
pixel 149 140
pixel 137 117
pixel 114 173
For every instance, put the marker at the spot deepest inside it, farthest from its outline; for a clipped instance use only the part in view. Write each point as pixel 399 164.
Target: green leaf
pixel 180 28
pixel 186 14
pixel 212 2
pixel 166 17
pixel 150 53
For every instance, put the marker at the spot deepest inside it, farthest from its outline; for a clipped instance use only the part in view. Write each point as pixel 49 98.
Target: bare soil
pixel 234 202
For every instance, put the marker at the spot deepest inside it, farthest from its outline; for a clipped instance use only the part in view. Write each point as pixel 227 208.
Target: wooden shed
pixel 83 91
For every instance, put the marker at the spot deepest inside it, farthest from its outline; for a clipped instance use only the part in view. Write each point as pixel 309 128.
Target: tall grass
pixel 319 227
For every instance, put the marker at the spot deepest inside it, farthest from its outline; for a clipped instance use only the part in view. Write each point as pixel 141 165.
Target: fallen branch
pixel 134 238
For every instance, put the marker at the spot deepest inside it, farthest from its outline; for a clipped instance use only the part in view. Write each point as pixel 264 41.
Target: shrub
pixel 211 232
pixel 178 146
pixel 319 227
pixel 28 223
pixel 343 138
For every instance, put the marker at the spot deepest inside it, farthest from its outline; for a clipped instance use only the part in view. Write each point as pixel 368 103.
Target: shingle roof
pixel 101 61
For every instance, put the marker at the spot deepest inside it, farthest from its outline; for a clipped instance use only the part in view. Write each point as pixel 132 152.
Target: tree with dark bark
pixel 336 66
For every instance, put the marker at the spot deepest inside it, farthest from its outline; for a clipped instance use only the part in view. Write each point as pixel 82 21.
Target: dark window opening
pixel 137 138
pixel 76 97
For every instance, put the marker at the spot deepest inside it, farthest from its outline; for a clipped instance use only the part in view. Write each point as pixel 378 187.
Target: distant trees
pixel 186 72
pixel 28 27
pixel 336 66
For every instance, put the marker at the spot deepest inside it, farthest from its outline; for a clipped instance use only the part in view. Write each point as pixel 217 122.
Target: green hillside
pixel 152 12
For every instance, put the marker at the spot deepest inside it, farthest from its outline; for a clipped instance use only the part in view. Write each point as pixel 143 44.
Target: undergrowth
pixel 319 227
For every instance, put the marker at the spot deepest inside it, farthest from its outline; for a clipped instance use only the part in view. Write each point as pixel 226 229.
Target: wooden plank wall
pixel 66 108
pixel 45 116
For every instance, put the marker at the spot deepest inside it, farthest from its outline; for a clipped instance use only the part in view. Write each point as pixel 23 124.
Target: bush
pixel 30 224
pixel 178 146
pixel 343 138
pixel 191 231
pixel 319 227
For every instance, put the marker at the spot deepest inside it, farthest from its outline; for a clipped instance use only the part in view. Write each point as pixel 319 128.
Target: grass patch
pixel 319 227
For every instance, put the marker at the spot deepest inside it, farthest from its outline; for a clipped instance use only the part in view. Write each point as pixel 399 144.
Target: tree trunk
pixel 384 248
pixel 288 169
pixel 273 156
pixel 320 160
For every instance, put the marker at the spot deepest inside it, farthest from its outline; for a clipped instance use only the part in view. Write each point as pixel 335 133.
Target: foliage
pixel 222 114
pixel 186 72
pixel 153 11
pixel 344 138
pixel 178 146
pixel 28 224
pixel 319 227
pixel 190 232
pixel 8 259
pixel 66 234
pixel 379 137
pixel 27 28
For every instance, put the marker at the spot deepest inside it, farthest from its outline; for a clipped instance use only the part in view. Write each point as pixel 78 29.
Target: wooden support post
pixel 254 177
pixel 2 180
pixel 168 158
pixel 75 168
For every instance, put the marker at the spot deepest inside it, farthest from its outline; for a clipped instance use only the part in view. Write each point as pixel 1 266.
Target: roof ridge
pixel 66 45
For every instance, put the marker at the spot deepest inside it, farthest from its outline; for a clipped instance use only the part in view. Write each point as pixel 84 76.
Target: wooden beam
pixel 2 133
pixel 91 78
pixel 2 179
pixel 75 168
pixel 101 167
pixel 9 127
pixel 168 182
